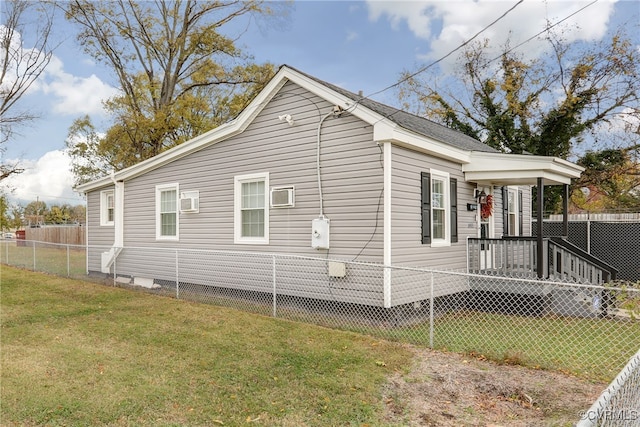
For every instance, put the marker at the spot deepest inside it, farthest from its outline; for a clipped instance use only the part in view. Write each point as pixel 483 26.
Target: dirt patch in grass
pixel 446 389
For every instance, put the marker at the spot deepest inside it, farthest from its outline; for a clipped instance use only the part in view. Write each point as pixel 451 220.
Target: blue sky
pixel 359 45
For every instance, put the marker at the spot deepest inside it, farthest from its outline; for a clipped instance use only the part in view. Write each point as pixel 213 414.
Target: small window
pixel 251 209
pixel 513 212
pixel 107 208
pixel 167 212
pixel 439 208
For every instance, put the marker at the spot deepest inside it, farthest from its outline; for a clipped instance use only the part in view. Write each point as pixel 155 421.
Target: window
pixel 167 212
pixel 512 207
pixel 439 208
pixel 107 208
pixel 512 211
pixel 251 213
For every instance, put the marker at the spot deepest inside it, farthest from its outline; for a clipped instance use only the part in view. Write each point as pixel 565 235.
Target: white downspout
pixel 109 257
pixel 386 147
pixel 118 217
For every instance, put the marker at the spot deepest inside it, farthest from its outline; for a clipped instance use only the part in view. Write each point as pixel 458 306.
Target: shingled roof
pixel 412 122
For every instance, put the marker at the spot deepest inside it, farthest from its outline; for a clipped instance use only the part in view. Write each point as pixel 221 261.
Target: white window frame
pixel 104 207
pixel 159 190
pixel 436 175
pixel 513 192
pixel 237 209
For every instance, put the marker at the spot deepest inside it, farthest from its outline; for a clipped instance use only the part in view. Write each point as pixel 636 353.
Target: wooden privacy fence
pixel 75 235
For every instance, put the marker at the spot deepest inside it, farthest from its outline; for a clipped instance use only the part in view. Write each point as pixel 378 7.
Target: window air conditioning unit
pixel 282 197
pixel 190 201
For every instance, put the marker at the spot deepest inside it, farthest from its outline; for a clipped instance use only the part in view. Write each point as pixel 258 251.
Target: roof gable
pixel 389 125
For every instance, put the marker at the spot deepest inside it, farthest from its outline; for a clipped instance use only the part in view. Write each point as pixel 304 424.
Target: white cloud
pixel 352 35
pixel 74 95
pixel 48 178
pixel 446 24
pixel 71 95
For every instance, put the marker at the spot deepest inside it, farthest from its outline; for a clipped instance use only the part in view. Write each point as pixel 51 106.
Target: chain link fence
pixel 583 329
pixel 619 404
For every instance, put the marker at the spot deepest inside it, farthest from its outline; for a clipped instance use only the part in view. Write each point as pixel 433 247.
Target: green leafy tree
pixel 58 214
pixel 4 213
pixel 611 181
pixel 178 74
pixel 35 212
pixel 10 214
pixel 545 107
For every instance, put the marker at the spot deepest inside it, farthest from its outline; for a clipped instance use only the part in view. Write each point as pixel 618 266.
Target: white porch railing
pixel 517 257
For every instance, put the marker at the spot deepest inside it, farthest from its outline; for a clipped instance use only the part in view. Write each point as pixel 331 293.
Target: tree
pixel 179 76
pixel 10 215
pixel 35 212
pixel 20 67
pixel 546 106
pixel 611 181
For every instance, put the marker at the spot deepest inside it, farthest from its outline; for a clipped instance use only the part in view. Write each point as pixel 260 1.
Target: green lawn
pixel 592 348
pixel 77 353
pixel 49 258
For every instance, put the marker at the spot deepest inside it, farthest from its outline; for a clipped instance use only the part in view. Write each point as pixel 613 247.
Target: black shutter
pixel 520 212
pixel 426 207
pixel 453 195
pixel 505 211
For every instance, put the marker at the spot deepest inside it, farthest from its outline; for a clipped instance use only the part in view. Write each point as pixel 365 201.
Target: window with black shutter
pixel 426 207
pixel 453 196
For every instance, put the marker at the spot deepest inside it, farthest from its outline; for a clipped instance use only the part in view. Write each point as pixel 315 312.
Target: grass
pixel 53 259
pixel 76 353
pixel 591 348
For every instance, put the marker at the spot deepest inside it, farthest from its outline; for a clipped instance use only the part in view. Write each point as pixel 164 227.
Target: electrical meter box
pixel 320 233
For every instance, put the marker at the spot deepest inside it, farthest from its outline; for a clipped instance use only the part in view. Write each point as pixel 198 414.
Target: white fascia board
pixel 486 161
pixel 220 133
pixel 515 177
pixel 94 185
pixel 519 169
pixel 389 132
pixel 333 97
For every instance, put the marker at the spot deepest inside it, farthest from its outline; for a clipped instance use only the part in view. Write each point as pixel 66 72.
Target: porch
pixel 518 257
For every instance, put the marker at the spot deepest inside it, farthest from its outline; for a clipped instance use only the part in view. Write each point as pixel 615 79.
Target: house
pixel 311 169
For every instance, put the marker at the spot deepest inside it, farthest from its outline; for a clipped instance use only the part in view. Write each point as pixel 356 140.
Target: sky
pixel 358 45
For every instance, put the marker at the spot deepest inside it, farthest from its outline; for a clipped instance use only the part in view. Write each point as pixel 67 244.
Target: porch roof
pixel 518 169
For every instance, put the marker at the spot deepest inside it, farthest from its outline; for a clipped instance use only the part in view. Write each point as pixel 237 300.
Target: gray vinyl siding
pixel 99 237
pixel 352 181
pixel 406 223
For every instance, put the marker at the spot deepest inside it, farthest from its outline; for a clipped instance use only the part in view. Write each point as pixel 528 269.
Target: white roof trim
pixel 383 132
pixel 476 165
pixel 519 169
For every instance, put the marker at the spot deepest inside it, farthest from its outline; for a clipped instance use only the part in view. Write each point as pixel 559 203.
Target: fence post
pixel 431 314
pixel 177 276
pixel 34 255
pixel 275 291
pixel 588 234
pixel 68 263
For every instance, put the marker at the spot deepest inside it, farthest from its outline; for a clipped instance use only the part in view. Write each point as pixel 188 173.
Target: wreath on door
pixel 486 209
